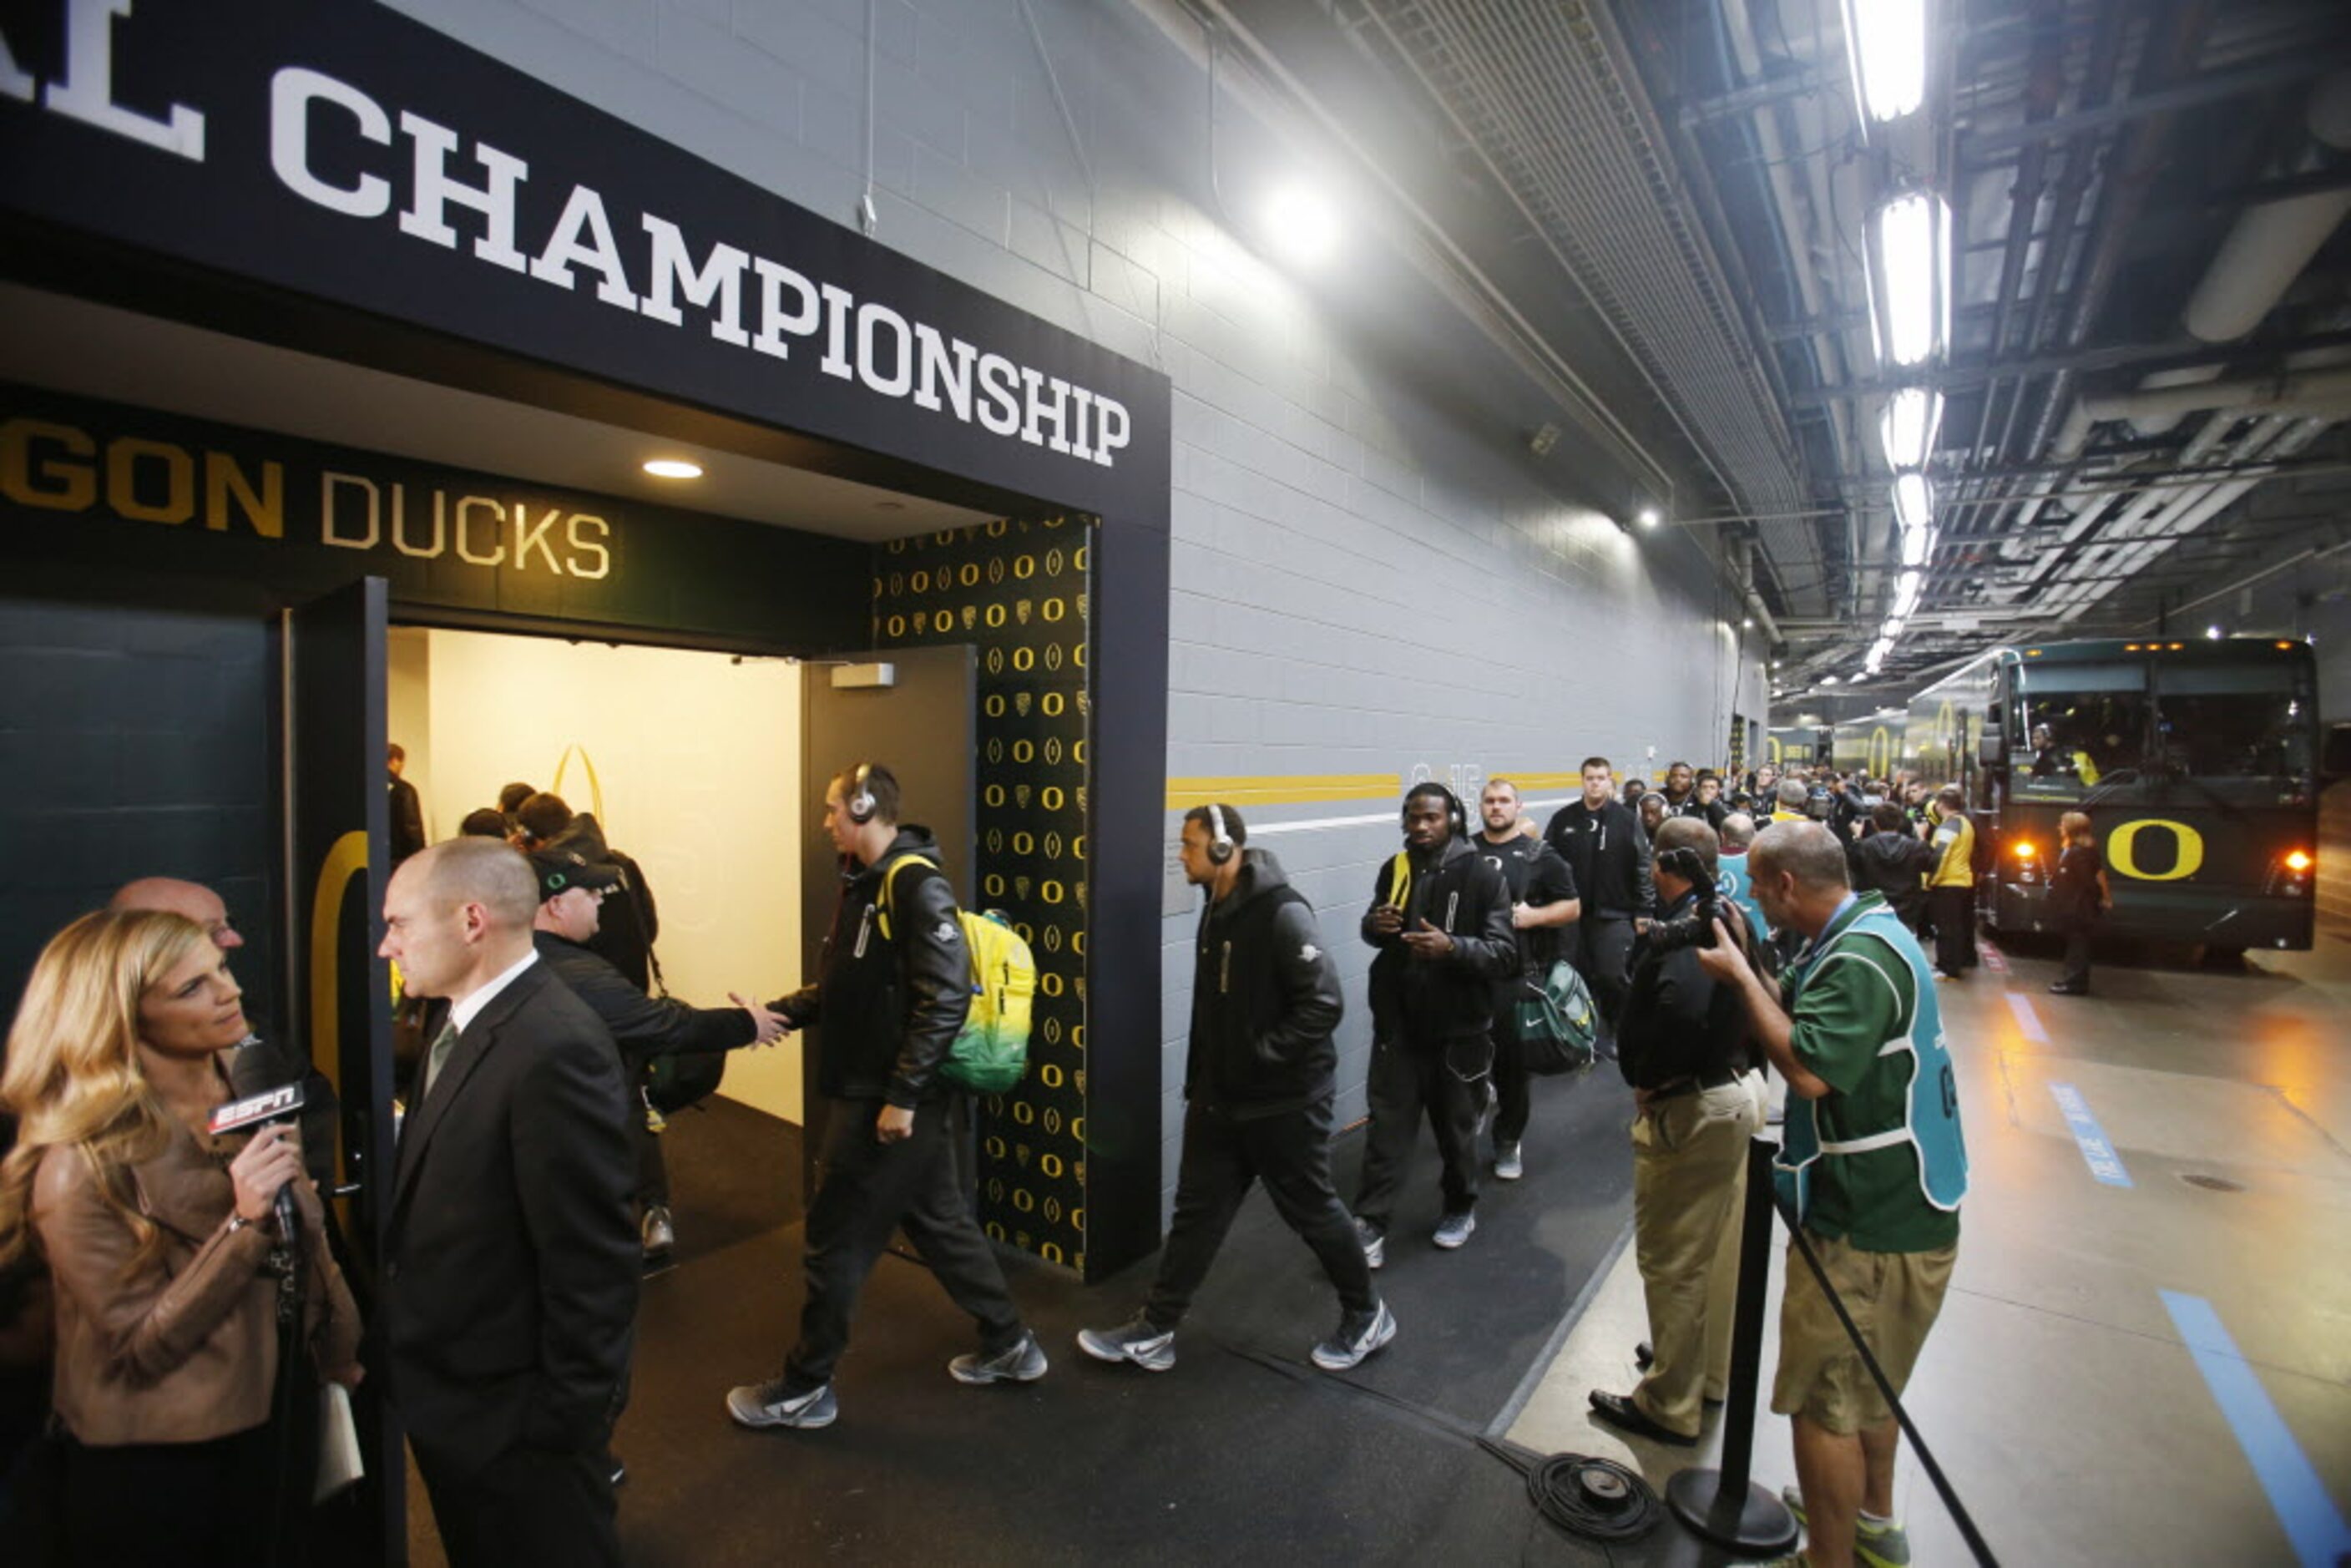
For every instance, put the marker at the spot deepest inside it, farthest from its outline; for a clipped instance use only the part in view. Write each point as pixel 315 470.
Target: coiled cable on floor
pixel 1598 1499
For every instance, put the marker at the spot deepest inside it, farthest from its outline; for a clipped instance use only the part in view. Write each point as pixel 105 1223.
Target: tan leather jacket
pixel 184 1347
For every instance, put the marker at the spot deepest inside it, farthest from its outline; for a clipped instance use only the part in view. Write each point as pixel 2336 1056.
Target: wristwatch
pixel 236 1222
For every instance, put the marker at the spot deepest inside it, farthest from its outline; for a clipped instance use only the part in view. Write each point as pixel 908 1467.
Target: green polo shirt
pixel 1850 1004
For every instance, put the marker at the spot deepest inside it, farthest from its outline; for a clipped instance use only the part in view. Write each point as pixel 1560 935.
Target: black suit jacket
pixel 511 1264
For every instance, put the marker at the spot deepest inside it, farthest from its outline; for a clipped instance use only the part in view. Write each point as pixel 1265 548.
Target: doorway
pixel 689 760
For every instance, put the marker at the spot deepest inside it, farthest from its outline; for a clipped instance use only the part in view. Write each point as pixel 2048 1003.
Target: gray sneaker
pixel 1374 1240
pixel 1021 1362
pixel 1142 1341
pixel 1878 1545
pixel 1508 1165
pixel 770 1404
pixel 1453 1229
pixel 1357 1336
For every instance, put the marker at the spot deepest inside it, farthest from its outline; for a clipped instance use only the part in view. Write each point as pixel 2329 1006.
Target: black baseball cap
pixel 560 870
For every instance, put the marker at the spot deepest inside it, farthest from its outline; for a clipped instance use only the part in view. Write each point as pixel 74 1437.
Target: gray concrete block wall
pixel 1371 574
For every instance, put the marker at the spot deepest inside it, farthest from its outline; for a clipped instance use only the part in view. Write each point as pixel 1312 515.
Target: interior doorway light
pixel 1302 224
pixel 1885 44
pixel 672 468
pixel 1910 277
pixel 1907 427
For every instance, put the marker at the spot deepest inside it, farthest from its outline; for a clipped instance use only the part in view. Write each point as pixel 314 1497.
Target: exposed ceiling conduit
pixel 2274 241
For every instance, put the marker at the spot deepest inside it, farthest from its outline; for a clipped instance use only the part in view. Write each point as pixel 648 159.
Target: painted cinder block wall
pixel 1373 579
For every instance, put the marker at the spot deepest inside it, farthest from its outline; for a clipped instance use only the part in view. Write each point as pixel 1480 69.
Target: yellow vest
pixel 1957 866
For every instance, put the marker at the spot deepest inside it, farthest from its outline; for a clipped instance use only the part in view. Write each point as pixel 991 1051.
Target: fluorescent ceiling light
pixel 1648 517
pixel 1907 427
pixel 1828 680
pixel 1885 44
pixel 1914 500
pixel 1906 589
pixel 1910 277
pixel 1891 629
pixel 674 469
pixel 1918 544
pixel 1302 224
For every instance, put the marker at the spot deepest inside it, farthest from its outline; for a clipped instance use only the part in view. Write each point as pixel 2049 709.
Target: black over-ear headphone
pixel 1221 847
pixel 860 805
pixel 1455 815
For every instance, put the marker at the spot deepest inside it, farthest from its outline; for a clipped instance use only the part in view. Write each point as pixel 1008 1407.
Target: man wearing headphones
pixel 1258 1091
pixel 1440 917
pixel 892 994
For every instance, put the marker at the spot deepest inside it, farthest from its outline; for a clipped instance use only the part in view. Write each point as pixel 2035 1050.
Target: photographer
pixel 1683 1048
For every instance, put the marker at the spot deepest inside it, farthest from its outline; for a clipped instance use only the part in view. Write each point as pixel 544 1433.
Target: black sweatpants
pixel 1447 1084
pixel 1514 1101
pixel 2077 949
pixel 868 1189
pixel 1955 927
pixel 1602 952
pixel 1223 1158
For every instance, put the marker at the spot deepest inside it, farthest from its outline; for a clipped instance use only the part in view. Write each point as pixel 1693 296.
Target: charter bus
pixel 2198 762
pixel 1796 745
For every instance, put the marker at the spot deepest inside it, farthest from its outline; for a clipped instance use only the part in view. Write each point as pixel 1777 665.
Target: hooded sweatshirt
pixel 891 995
pixel 1265 1000
pixel 1425 1002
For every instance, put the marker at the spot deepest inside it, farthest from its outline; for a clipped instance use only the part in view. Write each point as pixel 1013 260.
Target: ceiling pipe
pixel 2274 241
pixel 2326 392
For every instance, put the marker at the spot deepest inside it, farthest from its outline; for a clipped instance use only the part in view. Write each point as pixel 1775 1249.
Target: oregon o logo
pixel 996 885
pixel 995 1230
pixel 1053 797
pixel 1054 703
pixel 1049 984
pixel 1024 1200
pixel 1078 946
pixel 1023 1111
pixel 1050 1164
pixel 1022 658
pixel 1056 608
pixel 994 704
pixel 1079 559
pixel 970 574
pixel 1024 567
pixel 996 795
pixel 996 527
pixel 1024 843
pixel 897 626
pixel 996 618
pixel 922 582
pixel 995 1147
pixel 1051 1076
pixel 1879 754
pixel 2187 853
pixel 1050 1252
pixel 1078 1036
pixel 1024 751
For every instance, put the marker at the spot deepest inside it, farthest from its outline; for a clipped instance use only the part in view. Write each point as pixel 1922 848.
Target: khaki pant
pixel 1689 1178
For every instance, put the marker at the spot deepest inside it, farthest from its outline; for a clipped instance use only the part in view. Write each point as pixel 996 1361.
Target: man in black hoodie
pixel 893 993
pixel 1601 840
pixel 1440 917
pixel 1258 1091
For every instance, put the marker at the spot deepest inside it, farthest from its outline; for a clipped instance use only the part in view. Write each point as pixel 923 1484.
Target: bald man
pixel 511 1254
pixel 256 1065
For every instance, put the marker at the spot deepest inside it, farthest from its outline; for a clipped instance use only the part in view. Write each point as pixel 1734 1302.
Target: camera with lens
pixel 1694 929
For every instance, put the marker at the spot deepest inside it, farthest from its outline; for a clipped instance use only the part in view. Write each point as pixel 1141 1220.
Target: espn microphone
pixel 283 1104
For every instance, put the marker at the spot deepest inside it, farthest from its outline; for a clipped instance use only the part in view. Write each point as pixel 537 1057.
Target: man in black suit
pixel 511 1268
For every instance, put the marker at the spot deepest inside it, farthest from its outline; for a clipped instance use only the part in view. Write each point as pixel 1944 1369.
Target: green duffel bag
pixel 1558 1026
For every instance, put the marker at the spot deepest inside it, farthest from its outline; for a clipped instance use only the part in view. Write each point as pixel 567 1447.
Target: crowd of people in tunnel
pixel 192 1278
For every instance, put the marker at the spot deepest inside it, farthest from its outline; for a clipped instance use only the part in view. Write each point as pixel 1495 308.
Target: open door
pixel 338 839
pixel 921 727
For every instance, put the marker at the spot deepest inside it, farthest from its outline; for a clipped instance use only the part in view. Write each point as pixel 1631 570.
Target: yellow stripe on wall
pixel 1278 790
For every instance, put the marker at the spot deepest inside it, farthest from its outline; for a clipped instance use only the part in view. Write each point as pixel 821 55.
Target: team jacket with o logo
pixel 888 1004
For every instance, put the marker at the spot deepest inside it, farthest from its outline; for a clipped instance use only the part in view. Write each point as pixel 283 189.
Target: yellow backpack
pixel 991 1051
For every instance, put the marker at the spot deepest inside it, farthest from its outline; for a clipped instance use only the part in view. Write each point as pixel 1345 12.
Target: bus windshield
pixel 2081 722
pixel 2243 722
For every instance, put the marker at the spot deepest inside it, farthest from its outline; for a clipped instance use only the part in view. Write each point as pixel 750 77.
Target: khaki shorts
pixel 1893 1297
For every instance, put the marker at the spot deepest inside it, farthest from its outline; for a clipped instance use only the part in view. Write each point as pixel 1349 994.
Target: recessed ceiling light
pixel 674 469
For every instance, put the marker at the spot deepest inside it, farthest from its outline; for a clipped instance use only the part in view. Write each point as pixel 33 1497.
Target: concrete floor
pixel 2057 1391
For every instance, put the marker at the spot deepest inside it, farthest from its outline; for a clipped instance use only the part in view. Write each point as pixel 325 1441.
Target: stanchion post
pixel 1723 1506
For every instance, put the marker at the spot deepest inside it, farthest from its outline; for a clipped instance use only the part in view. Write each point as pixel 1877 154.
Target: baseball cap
pixel 560 870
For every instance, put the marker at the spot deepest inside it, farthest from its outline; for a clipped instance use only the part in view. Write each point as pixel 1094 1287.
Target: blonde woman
pixel 163 1249
pixel 2079 896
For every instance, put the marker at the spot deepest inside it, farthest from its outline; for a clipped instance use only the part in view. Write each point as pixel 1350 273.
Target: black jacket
pixel 1423 1003
pixel 1677 1022
pixel 1265 1000
pixel 646 1027
pixel 407 820
pixel 511 1259
pixel 1610 856
pixel 630 924
pixel 888 1005
pixel 1893 864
